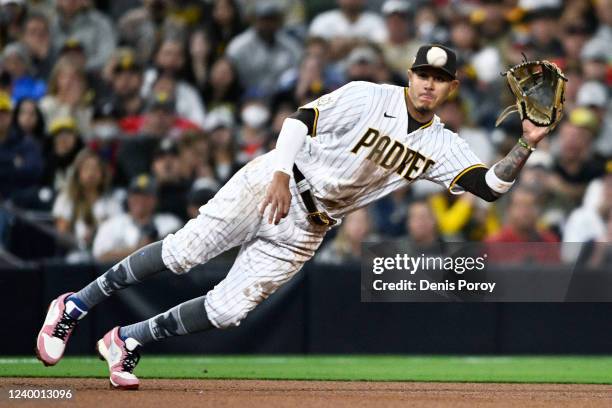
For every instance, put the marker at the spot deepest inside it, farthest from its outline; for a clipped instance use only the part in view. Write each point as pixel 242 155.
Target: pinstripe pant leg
pixel 262 266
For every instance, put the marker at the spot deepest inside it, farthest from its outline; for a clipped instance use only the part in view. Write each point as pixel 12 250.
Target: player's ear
pixel 454 85
pixel 409 73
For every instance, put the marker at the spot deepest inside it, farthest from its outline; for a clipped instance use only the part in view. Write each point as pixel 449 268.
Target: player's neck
pixel 414 113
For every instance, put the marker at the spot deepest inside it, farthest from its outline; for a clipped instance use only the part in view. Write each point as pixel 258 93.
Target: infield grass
pixel 554 369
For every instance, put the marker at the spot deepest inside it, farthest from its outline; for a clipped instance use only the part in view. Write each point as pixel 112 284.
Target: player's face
pixel 429 88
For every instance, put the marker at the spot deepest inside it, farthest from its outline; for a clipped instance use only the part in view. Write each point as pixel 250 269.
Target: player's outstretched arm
pixel 490 184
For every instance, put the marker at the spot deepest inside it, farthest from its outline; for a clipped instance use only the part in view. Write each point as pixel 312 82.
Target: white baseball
pixel 437 57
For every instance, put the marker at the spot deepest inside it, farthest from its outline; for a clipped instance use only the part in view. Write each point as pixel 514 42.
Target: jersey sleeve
pixel 339 111
pixel 456 161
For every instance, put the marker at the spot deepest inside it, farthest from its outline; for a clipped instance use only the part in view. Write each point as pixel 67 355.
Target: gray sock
pixel 142 264
pixel 186 318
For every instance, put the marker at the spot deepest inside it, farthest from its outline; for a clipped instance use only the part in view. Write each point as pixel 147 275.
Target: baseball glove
pixel 539 88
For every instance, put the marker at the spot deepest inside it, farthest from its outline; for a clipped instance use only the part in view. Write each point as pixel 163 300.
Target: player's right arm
pixel 343 107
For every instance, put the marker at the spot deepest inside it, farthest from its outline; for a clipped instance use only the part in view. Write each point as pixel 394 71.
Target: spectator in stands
pixel 594 58
pixel 143 28
pixel 593 95
pixel 597 253
pixel 262 53
pixel 78 19
pixel 389 213
pixel 124 233
pixel 348 26
pixel 136 152
pixel 199 58
pixel 222 89
pixel 603 10
pixel 429 25
pixel 170 68
pixel 399 47
pixel 159 119
pixel 253 133
pixel 14 13
pixel 361 64
pixel 346 246
pixel 85 201
pixel 36 39
pixel 226 23
pixel 522 238
pixel 125 77
pixel 462 217
pixel 573 39
pixel 21 160
pixel 587 223
pixel 28 121
pixel 64 144
pixel 384 74
pixel 67 95
pixel 522 219
pixel 195 155
pixel 313 78
pixel 16 62
pixel 223 146
pixel 543 21
pixel 203 190
pixel 574 166
pixel 172 187
pixel 188 104
pixel 423 233
pixel 464 36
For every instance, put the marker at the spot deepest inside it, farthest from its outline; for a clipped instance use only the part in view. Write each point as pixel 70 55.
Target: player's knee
pixel 175 260
pixel 229 310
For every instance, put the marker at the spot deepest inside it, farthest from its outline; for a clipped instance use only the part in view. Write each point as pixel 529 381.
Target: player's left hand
pixel 278 197
pixel 532 134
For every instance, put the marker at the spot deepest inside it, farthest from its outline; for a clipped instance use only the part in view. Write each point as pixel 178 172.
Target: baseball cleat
pixel 61 319
pixel 122 357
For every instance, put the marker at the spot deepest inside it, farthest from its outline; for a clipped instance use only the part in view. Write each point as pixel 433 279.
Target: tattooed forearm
pixel 509 167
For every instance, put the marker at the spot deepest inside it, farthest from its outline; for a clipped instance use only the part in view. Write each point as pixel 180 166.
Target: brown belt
pixel 314 216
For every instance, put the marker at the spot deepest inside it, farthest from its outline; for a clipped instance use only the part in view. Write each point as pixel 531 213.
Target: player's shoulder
pixel 371 88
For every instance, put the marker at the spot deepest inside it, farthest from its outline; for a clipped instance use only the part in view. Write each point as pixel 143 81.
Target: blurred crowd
pixel 120 119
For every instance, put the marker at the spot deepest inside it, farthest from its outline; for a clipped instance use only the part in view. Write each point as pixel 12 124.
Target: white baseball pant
pixel 270 254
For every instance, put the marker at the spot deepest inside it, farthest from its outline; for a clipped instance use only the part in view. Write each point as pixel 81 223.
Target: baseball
pixel 437 57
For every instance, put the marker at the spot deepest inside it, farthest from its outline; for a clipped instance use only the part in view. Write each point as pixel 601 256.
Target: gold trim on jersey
pixel 316 120
pixel 428 124
pixel 458 176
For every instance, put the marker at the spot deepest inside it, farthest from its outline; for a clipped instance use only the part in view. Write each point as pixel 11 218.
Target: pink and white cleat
pixel 61 319
pixel 122 357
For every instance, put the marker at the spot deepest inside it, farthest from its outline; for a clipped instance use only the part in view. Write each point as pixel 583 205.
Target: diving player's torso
pixel 376 156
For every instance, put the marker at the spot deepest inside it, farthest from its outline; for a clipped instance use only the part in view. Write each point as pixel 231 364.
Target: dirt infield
pixel 250 393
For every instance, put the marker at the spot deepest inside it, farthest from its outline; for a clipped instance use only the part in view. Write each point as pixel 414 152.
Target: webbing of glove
pixel 539 88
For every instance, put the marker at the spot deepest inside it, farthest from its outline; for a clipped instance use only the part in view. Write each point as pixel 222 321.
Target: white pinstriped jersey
pixel 361 149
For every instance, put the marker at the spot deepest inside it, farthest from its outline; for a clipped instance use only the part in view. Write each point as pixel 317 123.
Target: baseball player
pixel 334 155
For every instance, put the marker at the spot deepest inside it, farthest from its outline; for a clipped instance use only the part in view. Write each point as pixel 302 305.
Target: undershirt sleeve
pixel 474 182
pixel 306 116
